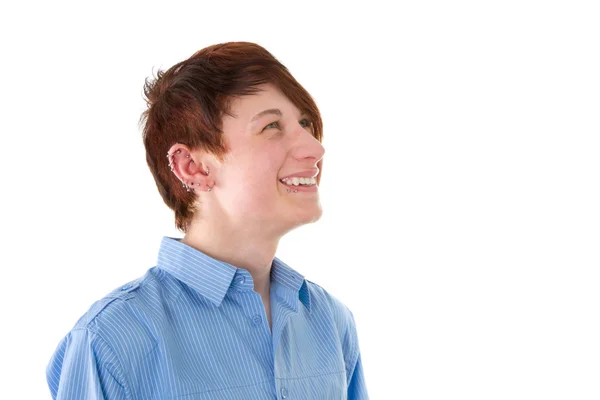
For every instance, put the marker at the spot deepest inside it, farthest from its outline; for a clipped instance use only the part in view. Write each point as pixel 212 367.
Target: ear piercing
pixel 171 158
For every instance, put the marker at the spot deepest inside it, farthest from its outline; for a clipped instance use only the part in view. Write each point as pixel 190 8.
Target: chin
pixel 302 220
pixel 311 218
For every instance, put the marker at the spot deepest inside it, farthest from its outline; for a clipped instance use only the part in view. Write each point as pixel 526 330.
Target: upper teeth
pixel 299 181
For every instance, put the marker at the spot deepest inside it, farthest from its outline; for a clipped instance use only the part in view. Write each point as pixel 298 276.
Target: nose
pixel 307 146
pixel 308 150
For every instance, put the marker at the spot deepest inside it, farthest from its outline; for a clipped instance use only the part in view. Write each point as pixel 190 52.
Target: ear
pixel 189 168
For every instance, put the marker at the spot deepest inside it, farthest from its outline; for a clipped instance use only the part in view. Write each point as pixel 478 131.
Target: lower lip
pixel 299 188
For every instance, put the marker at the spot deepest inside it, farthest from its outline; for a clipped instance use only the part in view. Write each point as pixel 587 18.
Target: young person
pixel 234 144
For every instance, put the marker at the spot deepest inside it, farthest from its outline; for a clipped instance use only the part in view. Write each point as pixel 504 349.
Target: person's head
pixel 201 118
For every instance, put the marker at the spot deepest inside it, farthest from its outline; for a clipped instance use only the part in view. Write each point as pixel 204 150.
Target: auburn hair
pixel 186 104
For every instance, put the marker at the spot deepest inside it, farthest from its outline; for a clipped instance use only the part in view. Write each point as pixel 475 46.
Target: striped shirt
pixel 194 328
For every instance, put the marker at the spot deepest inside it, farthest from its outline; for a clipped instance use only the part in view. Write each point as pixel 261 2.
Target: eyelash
pixel 308 120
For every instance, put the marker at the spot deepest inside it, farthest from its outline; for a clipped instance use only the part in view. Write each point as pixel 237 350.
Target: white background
pixel 461 182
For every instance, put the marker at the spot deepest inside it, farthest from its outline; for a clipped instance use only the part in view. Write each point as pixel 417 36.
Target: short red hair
pixel 186 104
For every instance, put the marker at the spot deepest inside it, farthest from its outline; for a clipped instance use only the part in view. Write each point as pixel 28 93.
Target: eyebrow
pixel 274 111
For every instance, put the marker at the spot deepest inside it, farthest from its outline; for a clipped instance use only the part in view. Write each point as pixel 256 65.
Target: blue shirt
pixel 194 328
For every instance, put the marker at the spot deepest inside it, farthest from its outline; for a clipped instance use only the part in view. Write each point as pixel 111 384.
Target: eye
pixel 308 122
pixel 266 127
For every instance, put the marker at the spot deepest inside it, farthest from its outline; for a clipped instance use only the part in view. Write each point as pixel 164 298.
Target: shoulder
pixel 322 300
pixel 323 296
pixel 113 336
pixel 111 302
pixel 121 317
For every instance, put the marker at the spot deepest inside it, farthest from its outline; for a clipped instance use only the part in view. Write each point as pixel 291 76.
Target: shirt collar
pixel 212 278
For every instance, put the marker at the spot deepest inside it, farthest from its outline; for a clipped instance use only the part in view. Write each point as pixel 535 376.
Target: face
pixel 265 147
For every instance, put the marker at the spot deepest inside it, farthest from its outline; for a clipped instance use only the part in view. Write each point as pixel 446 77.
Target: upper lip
pixel 309 173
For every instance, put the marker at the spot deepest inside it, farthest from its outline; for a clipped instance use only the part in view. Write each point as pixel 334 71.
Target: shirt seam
pixel 313 376
pixel 354 348
pixel 161 278
pixel 221 389
pixel 258 383
pixel 120 364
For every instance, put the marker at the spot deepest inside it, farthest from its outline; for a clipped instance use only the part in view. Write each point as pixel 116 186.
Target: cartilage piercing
pixel 172 164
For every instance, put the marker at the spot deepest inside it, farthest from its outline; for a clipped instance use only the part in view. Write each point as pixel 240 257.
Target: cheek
pixel 255 175
pixel 273 157
pixel 254 191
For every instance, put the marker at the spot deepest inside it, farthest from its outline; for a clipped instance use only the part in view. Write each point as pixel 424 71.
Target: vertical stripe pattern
pixel 193 328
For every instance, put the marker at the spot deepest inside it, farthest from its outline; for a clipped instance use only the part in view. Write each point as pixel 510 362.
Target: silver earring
pixel 171 161
pixel 172 164
pixel 207 172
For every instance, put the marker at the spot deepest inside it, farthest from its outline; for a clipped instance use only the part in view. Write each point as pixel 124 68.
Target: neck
pixel 245 248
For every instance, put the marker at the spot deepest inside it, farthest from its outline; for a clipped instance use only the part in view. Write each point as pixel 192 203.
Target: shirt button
pixel 256 319
pixel 126 287
pixel 240 279
pixel 284 393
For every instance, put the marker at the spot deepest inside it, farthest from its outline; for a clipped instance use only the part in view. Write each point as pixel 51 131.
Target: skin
pixel 246 213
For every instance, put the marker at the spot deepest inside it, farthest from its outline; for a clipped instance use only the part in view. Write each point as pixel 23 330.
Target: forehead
pixel 245 108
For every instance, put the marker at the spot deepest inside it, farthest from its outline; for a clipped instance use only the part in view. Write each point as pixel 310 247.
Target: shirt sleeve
pixel 85 367
pixel 357 389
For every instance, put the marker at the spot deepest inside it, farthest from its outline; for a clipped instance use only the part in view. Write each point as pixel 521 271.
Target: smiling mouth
pixel 311 187
pixel 298 181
